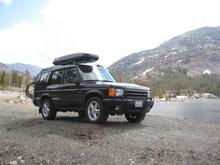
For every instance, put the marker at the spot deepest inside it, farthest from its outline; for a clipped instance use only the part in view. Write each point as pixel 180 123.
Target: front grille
pixel 136 94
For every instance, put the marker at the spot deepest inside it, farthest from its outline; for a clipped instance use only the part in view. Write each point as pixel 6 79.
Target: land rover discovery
pixel 74 84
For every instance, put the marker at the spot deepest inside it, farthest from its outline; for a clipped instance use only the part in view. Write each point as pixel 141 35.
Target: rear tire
pixel 135 117
pixel 95 111
pixel 47 110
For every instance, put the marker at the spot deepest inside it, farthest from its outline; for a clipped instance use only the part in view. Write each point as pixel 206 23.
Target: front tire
pixel 135 118
pixel 47 110
pixel 95 111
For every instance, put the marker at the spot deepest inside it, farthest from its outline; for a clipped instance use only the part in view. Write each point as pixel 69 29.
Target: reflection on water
pixel 202 109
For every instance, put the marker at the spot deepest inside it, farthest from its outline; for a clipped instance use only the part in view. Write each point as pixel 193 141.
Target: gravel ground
pixel 25 138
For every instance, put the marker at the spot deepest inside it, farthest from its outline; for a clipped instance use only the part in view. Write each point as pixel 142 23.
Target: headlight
pixel 112 92
pixel 119 92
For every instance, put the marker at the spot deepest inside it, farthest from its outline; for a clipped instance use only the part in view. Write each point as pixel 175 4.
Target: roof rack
pixel 75 58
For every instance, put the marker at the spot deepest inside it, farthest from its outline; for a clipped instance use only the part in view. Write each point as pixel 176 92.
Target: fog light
pixel 117 108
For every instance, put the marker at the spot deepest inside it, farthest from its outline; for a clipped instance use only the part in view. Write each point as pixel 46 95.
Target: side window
pixel 57 77
pixel 70 75
pixel 43 78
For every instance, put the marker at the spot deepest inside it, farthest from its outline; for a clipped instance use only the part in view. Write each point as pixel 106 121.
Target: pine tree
pixel 27 78
pixel 0 78
pixel 20 80
pixel 4 79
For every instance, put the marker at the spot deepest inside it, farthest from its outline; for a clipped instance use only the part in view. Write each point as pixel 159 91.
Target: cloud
pixel 72 26
pixel 112 29
pixel 6 2
pixel 22 43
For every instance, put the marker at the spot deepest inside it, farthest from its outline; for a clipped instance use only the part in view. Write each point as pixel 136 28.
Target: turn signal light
pixel 112 92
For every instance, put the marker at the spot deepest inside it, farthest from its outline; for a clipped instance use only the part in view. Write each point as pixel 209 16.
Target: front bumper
pixel 122 106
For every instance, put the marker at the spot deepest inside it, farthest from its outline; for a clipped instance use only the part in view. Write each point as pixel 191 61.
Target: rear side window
pixel 57 77
pixel 43 77
pixel 70 76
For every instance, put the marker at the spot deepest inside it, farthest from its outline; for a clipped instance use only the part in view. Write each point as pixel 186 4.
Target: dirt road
pixel 25 138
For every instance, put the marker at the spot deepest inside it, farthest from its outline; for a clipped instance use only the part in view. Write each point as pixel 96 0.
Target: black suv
pixel 74 85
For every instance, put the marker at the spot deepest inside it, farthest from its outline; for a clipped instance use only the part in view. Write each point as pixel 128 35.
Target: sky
pixel 37 31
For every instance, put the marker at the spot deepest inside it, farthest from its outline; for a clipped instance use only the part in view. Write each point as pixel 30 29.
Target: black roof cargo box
pixel 75 59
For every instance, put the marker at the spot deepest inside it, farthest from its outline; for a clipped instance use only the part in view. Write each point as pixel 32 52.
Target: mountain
pixel 2 67
pixel 197 52
pixel 34 70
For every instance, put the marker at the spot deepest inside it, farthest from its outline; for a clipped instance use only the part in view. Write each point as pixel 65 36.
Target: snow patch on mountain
pixel 139 62
pixel 172 53
pixel 182 50
pixel 146 71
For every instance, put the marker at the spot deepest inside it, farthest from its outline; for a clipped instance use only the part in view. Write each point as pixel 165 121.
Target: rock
pixel 22 99
pixel 10 101
pixel 6 92
pixel 16 102
pixel 208 96
pixel 196 95
pixel 132 162
pixel 13 162
pixel 20 157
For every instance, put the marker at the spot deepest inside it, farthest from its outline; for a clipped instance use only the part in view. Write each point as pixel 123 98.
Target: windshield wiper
pixel 105 81
pixel 100 80
pixel 91 80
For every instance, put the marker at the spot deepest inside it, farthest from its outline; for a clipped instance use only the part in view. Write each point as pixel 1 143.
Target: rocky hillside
pixel 197 52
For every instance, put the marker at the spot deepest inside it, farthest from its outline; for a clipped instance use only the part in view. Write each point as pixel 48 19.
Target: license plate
pixel 138 104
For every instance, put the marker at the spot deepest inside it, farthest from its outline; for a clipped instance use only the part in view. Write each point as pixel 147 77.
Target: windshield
pixel 95 73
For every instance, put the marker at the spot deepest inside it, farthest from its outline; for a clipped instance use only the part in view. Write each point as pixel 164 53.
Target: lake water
pixel 207 110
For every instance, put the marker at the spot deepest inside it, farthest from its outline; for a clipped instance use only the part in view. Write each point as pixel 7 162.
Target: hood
pixel 124 85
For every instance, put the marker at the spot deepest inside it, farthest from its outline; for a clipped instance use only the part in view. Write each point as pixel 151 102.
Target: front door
pixel 71 90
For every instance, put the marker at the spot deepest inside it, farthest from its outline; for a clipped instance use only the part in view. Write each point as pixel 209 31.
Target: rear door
pixel 64 89
pixel 55 87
